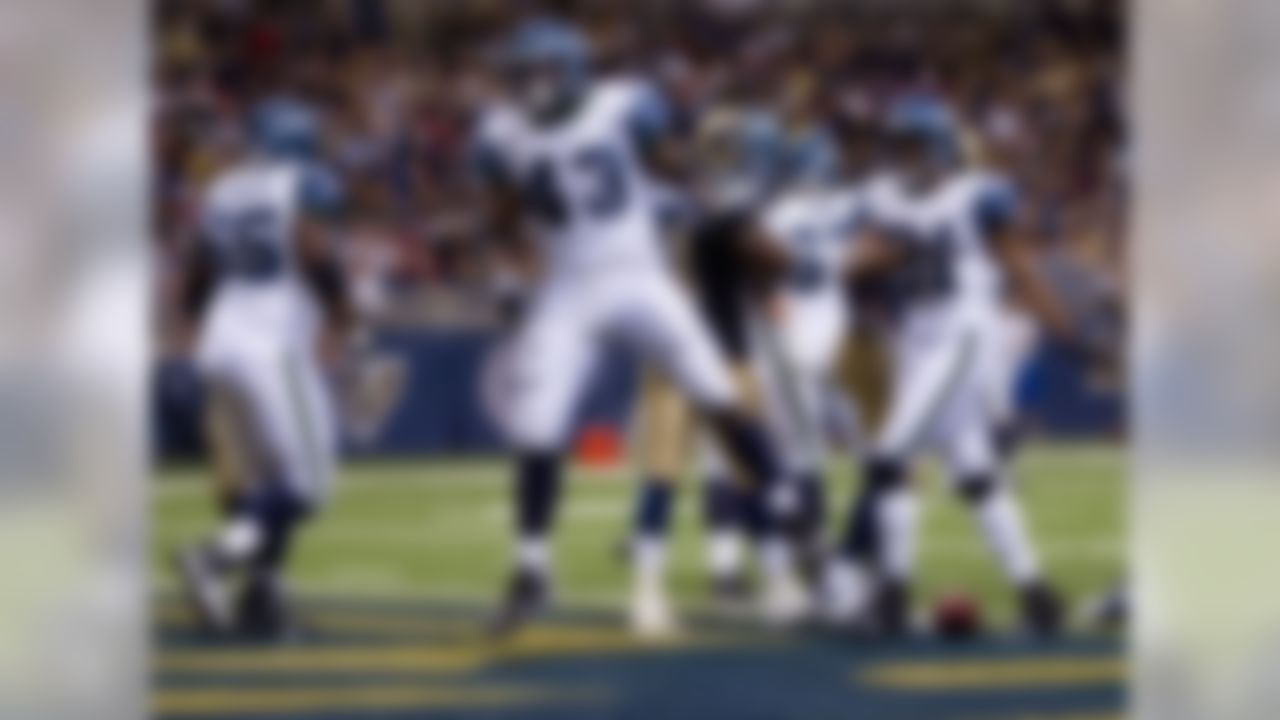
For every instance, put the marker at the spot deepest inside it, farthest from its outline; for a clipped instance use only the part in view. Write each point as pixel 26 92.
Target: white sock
pixel 533 555
pixel 846 590
pixel 783 500
pixel 650 561
pixel 724 553
pixel 238 540
pixel 898 515
pixel 1006 532
pixel 775 560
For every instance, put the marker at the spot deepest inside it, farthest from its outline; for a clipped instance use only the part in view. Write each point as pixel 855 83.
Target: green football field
pixel 419 549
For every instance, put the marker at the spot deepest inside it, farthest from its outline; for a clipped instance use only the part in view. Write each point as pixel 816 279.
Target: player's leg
pixel 665 427
pixel 666 325
pixel 881 529
pixel 222 422
pixel 301 448
pixel 205 564
pixel 791 386
pixel 552 358
pixel 722 517
pixel 810 334
pixel 1010 337
pixel 720 281
pixel 975 469
pixel 286 432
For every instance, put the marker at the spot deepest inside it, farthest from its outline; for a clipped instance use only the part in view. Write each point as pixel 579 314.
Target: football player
pixel 270 300
pixel 572 159
pixel 949 236
pixel 737 150
pixel 811 226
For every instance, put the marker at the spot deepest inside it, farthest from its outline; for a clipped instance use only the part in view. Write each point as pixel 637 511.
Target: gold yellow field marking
pixel 318 659
pixel 233 701
pixel 355 621
pixel 451 657
pixel 993 674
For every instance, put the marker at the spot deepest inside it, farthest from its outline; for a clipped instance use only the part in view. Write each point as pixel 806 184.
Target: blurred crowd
pixel 1038 84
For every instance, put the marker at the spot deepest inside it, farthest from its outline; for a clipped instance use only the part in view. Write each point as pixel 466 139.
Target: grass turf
pixel 440 528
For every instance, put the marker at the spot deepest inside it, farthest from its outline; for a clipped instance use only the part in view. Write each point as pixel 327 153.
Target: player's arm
pixel 1010 242
pixel 766 258
pixel 874 253
pixel 321 267
pixel 513 260
pixel 198 281
pixel 659 137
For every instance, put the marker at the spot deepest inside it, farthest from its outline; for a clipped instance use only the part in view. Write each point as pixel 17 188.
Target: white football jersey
pixel 816 228
pixel 943 228
pixel 589 199
pixel 249 219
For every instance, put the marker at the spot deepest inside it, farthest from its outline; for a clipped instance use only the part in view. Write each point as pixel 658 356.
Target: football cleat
pixel 652 617
pixel 528 594
pixel 1108 612
pixel 1042 610
pixel 846 595
pixel 263 612
pixel 205 588
pixel 732 592
pixel 784 602
pixel 892 609
pixel 812 561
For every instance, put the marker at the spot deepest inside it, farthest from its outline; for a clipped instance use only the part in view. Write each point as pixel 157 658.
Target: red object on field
pixel 957 617
pixel 599 445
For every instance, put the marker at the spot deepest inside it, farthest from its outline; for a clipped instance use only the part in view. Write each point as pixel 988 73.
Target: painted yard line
pixel 988 675
pixel 466 655
pixel 240 701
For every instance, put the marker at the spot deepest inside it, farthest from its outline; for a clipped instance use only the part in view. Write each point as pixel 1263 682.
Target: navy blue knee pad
pixel 653 511
pixel 884 475
pixel 537 492
pixel 278 512
pixel 721 504
pixel 862 533
pixel 976 488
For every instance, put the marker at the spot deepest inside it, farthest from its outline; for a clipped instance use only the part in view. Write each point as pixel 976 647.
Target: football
pixel 956 616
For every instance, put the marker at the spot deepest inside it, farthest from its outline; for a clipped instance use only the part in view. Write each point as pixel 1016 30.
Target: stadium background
pixel 1038 84
pixel 421 519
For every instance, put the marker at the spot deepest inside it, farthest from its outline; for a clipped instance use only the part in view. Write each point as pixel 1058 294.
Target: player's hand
pixel 775 308
pixel 510 299
pixel 337 345
pixel 511 309
pixel 1090 349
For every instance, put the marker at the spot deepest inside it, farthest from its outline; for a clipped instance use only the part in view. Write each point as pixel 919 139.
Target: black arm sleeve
pixel 329 284
pixel 202 276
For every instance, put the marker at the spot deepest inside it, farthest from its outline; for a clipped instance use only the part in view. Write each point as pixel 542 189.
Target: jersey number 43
pixel 598 173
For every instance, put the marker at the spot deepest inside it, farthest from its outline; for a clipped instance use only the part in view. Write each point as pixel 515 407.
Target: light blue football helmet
pixel 810 158
pixel 284 127
pixel 549 63
pixel 926 120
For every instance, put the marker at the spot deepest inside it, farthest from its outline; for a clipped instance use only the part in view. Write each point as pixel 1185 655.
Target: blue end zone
pixel 374 659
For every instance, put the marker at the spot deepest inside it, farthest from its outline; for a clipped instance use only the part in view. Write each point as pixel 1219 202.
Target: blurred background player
pixel 264 285
pixel 737 152
pixel 952 238
pixel 573 157
pixel 811 227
